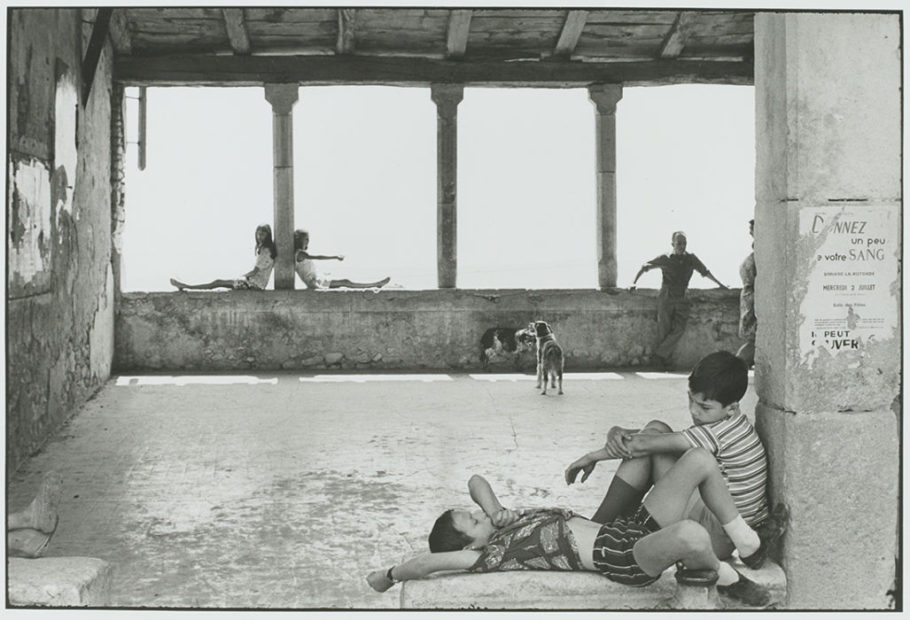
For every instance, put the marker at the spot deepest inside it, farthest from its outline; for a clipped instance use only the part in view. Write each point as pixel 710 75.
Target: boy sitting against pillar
pixel 305 266
pixel 632 550
pixel 716 385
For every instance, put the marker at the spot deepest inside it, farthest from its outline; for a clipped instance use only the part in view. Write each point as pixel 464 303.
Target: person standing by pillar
pixel 747 321
pixel 672 306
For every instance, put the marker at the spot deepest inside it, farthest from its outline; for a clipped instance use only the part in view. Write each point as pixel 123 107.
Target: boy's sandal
pixel 746 592
pixel 757 559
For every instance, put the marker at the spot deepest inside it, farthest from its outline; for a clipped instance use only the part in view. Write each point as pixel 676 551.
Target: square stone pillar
pixel 447 98
pixel 283 97
pixel 827 253
pixel 605 97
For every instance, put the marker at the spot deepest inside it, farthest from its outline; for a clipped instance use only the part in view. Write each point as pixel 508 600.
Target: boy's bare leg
pixel 684 541
pixel 41 513
pixel 696 469
pixel 632 480
pixel 668 501
pixel 688 542
pixel 208 286
pixel 345 283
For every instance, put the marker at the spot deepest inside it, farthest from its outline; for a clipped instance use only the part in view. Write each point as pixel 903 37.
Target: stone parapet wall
pixel 407 330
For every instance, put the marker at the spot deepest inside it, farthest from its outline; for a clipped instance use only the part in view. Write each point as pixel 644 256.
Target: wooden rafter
pixel 235 25
pixel 120 32
pixel 675 40
pixel 457 33
pixel 328 70
pixel 347 26
pixel 571 32
pixel 100 30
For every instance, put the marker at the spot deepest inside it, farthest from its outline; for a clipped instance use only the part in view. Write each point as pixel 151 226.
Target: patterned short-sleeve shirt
pixel 742 461
pixel 539 540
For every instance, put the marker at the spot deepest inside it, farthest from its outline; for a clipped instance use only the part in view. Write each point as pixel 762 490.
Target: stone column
pixel 447 97
pixel 283 97
pixel 118 183
pixel 605 98
pixel 827 248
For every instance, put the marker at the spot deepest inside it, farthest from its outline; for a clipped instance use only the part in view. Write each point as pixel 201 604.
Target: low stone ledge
pixel 559 590
pixel 58 582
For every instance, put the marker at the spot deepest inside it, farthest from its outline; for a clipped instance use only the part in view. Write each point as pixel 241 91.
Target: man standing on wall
pixel 672 306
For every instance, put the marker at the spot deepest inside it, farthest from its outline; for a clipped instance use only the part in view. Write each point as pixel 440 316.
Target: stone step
pixel 59 582
pixel 563 590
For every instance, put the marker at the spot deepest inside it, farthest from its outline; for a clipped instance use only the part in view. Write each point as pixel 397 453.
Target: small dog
pixel 504 341
pixel 549 356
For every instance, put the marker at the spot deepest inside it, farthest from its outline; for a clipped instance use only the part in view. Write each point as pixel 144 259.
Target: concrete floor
pixel 283 491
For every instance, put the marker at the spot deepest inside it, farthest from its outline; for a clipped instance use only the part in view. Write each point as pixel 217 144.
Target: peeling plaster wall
pixel 59 287
pixel 439 329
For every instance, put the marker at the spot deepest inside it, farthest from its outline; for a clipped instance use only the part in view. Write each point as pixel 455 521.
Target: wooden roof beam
pixel 235 26
pixel 252 70
pixel 571 32
pixel 675 40
pixel 120 32
pixel 457 34
pixel 100 30
pixel 347 26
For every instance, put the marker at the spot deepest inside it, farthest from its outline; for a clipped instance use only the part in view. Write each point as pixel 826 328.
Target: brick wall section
pixel 407 330
pixel 60 314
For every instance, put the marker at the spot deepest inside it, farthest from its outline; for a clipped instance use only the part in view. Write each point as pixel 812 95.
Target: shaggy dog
pixel 549 356
pixel 504 342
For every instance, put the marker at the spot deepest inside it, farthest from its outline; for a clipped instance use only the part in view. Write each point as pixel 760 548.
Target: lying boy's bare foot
pixel 379 580
pixel 41 514
pixel 26 543
pixel 178 284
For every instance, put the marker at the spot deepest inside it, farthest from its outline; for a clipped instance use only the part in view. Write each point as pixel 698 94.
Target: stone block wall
pixel 406 330
pixel 59 286
pixel 828 372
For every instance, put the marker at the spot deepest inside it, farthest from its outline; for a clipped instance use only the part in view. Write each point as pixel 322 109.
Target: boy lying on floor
pixel 632 550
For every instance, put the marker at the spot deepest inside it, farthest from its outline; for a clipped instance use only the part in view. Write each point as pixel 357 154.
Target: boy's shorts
pixel 613 545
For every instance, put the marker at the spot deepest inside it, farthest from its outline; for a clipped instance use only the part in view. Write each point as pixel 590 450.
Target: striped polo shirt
pixel 742 461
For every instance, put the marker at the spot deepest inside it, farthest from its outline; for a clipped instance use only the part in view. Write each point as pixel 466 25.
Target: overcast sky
pixel 365 183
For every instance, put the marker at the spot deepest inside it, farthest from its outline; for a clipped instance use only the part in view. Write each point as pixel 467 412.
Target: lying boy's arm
pixel 644 443
pixel 482 494
pixel 422 565
pixel 301 254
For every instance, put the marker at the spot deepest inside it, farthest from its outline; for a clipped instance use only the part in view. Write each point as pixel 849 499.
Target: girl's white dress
pixel 258 278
